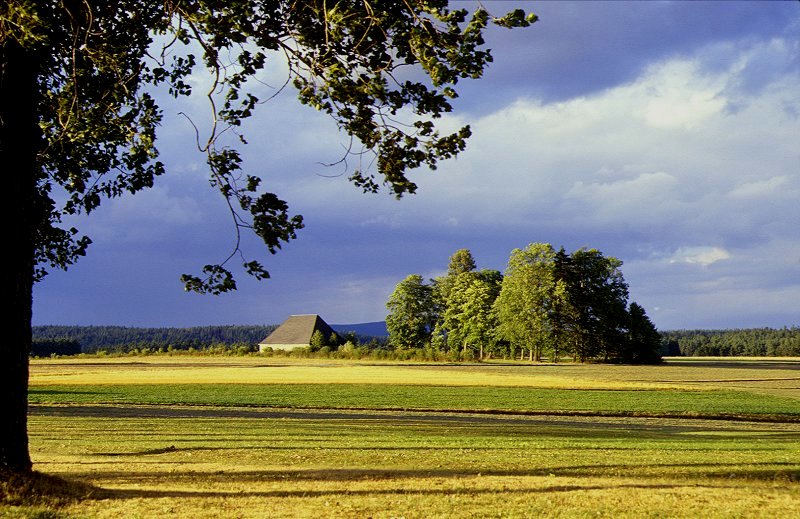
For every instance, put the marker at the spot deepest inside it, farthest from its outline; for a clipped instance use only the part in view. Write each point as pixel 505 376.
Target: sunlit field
pixel 259 437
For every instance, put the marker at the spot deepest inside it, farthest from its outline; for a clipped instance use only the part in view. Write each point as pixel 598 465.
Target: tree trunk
pixel 19 138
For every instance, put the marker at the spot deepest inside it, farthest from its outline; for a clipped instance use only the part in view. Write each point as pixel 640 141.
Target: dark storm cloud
pixel 578 48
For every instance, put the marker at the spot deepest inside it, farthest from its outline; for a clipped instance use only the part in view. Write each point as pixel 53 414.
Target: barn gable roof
pixel 298 329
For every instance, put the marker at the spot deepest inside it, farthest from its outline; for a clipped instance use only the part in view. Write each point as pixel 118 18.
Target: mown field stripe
pixel 722 403
pixel 109 409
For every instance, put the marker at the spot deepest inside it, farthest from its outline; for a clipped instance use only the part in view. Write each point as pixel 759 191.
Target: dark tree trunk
pixel 19 138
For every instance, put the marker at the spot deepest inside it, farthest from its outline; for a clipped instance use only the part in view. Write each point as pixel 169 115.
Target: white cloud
pixel 699 255
pixel 761 188
pixel 609 159
pixel 680 97
pixel 754 286
pixel 625 197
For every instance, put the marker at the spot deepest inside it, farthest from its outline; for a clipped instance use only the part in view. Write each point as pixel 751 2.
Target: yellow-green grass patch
pixel 768 376
pixel 440 398
pixel 259 372
pixel 143 452
pixel 413 465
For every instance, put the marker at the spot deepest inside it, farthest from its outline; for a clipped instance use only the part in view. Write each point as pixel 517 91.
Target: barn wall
pixel 285 347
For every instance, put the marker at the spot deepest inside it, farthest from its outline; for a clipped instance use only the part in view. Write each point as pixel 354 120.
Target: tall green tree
pixel 464 298
pixel 598 295
pixel 470 310
pixel 563 315
pixel 467 317
pixel 411 315
pixel 461 262
pixel 78 120
pixel 493 281
pixel 526 299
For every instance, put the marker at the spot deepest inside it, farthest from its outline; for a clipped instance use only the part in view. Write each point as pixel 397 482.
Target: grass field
pixel 255 437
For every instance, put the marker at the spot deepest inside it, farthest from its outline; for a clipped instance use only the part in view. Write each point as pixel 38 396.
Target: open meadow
pixel 279 437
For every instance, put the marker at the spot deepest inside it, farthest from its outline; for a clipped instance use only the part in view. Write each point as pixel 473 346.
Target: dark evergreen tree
pixel 643 342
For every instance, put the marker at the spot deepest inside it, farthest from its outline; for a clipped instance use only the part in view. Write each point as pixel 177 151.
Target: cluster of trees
pixel 755 342
pixel 547 304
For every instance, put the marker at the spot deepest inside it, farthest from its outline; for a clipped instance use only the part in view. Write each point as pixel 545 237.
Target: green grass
pixel 212 464
pixel 418 444
pixel 376 396
pixel 615 446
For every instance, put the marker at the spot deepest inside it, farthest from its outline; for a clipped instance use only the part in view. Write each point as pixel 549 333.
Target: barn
pixel 296 332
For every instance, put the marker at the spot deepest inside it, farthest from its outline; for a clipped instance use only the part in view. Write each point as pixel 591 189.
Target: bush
pixel 318 340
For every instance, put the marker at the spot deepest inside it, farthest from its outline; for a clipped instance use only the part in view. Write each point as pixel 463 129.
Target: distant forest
pixel 753 342
pixel 65 340
pixel 90 339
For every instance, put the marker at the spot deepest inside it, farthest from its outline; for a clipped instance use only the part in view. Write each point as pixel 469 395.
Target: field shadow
pixel 393 416
pixel 723 478
pixel 173 449
pixel 766 471
pixel 40 391
pixel 123 494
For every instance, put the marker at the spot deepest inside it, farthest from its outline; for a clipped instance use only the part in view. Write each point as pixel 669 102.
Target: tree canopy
pixel 96 63
pixel 79 118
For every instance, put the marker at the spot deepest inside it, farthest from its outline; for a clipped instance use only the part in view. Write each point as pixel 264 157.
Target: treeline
pixel 121 339
pixel 754 342
pixel 547 304
pixel 50 347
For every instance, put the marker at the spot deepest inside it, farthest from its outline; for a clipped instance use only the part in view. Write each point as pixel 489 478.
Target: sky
pixel 666 134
